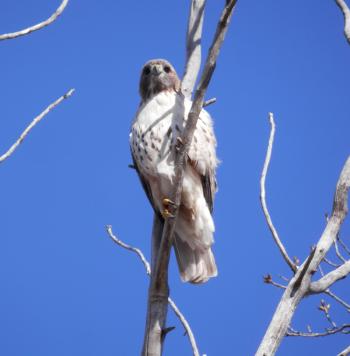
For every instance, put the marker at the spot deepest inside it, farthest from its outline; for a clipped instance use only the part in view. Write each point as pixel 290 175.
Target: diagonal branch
pixel 345 352
pixel 159 290
pixel 339 300
pixel 346 12
pixel 263 197
pixel 39 26
pixel 330 278
pixel 33 123
pixel 147 266
pixel 193 47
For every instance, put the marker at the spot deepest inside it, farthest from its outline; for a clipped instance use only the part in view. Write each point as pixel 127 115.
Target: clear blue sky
pixel 66 289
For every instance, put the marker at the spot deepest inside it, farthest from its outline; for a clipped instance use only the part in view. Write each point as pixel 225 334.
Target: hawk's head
pixel 157 75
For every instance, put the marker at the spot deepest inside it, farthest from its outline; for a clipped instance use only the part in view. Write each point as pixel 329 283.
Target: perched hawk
pixel 159 120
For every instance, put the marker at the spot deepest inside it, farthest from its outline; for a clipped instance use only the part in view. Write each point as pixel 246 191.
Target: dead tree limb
pixel 159 289
pixel 39 26
pixel 147 266
pixel 299 285
pixel 346 12
pixel 36 120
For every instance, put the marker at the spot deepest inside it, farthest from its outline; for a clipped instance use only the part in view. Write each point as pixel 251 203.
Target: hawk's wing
pixel 209 188
pixel 145 185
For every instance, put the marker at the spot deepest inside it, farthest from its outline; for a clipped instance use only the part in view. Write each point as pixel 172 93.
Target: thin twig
pixel 324 308
pixel 263 197
pixel 333 295
pixel 39 26
pixel 33 123
pixel 130 248
pixel 343 245
pixel 338 299
pixel 338 252
pixel 268 280
pixel 341 329
pixel 346 12
pixel 329 262
pixel 147 266
pixel 209 102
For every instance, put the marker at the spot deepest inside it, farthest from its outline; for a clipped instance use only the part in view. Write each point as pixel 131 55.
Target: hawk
pixel 158 124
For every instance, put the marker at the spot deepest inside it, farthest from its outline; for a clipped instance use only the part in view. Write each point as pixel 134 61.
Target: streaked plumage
pixel 159 120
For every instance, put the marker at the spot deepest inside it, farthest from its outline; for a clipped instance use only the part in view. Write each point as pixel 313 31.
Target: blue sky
pixel 66 289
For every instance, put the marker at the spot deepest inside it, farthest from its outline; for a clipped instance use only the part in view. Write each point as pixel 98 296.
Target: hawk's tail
pixel 195 265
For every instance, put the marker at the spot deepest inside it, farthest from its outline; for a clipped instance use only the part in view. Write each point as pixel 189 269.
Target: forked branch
pixel 39 26
pixel 299 285
pixel 147 266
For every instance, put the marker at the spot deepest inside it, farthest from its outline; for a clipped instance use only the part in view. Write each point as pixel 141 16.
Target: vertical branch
pixel 147 266
pixel 159 289
pixel 263 196
pixel 193 47
pixel 346 12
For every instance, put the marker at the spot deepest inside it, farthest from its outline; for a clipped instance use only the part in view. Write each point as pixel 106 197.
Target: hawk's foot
pixel 167 214
pixel 167 202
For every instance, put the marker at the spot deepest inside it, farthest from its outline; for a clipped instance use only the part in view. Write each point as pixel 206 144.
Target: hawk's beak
pixel 156 69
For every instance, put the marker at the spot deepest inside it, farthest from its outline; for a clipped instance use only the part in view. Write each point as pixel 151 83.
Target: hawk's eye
pixel 167 69
pixel 146 70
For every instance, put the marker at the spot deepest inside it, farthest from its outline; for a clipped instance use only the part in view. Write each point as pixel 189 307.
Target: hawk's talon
pixel 167 214
pixel 167 202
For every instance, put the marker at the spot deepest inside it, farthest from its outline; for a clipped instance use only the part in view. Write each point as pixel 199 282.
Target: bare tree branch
pixel 299 285
pixel 329 262
pixel 130 248
pixel 343 245
pixel 339 300
pixel 346 12
pixel 33 123
pixel 339 255
pixel 193 47
pixel 209 102
pixel 39 26
pixel 159 290
pixel 333 295
pixel 268 280
pixel 344 329
pixel 330 278
pixel 263 197
pixel 345 352
pixel 147 266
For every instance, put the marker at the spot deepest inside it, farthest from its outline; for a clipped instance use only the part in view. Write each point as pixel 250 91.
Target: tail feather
pixel 196 266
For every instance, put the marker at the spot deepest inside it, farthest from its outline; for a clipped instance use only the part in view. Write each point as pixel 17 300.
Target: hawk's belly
pixel 153 135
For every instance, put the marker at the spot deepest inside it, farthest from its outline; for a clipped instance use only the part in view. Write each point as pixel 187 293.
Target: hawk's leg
pixel 167 203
